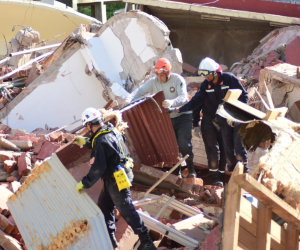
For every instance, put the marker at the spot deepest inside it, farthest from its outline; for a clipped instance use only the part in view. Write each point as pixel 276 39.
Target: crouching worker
pixel 109 155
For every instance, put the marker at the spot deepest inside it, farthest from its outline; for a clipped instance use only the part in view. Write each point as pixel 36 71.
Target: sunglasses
pixel 204 72
pixel 159 70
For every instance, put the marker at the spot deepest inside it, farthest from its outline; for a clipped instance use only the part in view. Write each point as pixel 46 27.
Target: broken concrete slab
pixel 124 64
pixel 194 227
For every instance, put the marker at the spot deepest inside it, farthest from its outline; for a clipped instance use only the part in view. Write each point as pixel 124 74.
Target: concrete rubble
pixel 102 66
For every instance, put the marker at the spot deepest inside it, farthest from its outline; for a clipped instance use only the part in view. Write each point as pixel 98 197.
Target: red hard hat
pixel 163 65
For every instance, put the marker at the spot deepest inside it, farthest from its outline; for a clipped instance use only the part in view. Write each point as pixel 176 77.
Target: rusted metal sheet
pixel 50 214
pixel 151 132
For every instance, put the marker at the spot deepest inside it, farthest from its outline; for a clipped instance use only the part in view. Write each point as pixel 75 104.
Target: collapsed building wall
pixel 88 70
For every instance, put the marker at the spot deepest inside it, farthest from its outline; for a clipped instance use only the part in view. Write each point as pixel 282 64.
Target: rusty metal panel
pixel 151 132
pixel 50 214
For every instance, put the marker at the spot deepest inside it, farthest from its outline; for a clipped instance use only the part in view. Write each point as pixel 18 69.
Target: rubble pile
pixel 278 46
pixel 20 153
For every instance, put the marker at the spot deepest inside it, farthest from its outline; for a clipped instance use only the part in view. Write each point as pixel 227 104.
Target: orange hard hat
pixel 163 65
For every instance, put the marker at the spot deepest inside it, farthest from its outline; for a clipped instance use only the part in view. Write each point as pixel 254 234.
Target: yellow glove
pixel 80 140
pixel 79 187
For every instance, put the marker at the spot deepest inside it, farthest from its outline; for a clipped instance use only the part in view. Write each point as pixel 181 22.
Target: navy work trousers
pixel 232 141
pixel 110 197
pixel 214 145
pixel 182 126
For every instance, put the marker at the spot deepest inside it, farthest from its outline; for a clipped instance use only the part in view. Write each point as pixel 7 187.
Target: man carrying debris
pixel 214 89
pixel 109 154
pixel 175 91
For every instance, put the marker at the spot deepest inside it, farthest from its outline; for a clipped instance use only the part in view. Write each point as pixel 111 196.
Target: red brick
pixel 37 148
pixel 22 137
pixel 5 224
pixel 48 148
pixel 56 136
pixel 24 164
pixel 9 166
pixel 212 240
pixel 197 181
pixel 6 155
pixel 175 215
pixel 125 235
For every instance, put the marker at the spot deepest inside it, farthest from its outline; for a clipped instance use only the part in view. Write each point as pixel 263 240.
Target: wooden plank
pixel 264 195
pixel 278 234
pixel 277 246
pixel 292 239
pixel 232 95
pixel 248 216
pixel 272 114
pixel 242 247
pixel 264 216
pixel 232 210
pixel 247 239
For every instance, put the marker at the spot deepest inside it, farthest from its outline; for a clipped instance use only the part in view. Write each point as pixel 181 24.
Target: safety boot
pixel 192 172
pixel 216 180
pixel 113 240
pixel 146 242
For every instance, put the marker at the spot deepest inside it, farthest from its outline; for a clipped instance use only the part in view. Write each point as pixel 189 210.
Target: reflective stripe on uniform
pixel 210 90
pixel 213 170
pixel 222 171
pixel 225 87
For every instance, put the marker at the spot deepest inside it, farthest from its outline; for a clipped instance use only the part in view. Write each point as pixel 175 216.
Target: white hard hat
pixel 91 115
pixel 208 64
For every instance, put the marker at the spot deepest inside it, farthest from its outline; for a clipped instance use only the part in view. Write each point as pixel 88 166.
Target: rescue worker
pixel 214 89
pixel 174 87
pixel 213 143
pixel 109 151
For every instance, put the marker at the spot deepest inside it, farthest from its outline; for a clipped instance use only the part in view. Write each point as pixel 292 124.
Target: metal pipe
pixel 34 49
pixel 4 60
pixel 25 65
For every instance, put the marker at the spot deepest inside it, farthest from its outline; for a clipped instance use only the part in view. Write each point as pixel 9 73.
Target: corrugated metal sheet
pixel 151 132
pixel 47 205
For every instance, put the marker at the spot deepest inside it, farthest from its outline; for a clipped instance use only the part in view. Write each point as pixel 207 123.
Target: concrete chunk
pixel 8 242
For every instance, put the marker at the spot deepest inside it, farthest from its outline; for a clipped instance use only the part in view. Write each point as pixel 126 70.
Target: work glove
pixel 172 110
pixel 167 103
pixel 80 140
pixel 79 187
pixel 197 132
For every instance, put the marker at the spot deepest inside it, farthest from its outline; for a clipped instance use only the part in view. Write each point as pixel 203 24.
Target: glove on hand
pixel 79 187
pixel 80 141
pixel 197 132
pixel 171 110
pixel 167 103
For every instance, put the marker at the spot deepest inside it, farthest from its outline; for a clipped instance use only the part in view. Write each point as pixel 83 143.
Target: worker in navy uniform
pixel 213 142
pixel 214 89
pixel 108 153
